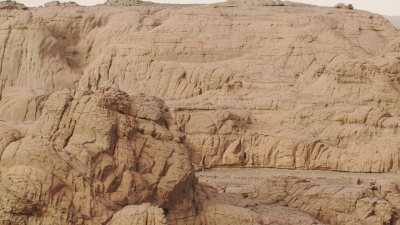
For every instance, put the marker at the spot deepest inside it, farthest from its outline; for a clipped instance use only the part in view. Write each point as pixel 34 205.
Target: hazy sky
pixel 385 7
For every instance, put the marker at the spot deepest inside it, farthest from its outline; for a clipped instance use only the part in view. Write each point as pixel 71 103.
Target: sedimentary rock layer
pixel 272 196
pixel 104 110
pixel 250 83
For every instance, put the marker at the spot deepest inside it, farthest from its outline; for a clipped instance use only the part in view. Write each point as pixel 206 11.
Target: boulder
pixel 98 152
pixel 344 6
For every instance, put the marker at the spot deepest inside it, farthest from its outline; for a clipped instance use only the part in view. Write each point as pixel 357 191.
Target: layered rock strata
pixel 249 84
pixel 104 110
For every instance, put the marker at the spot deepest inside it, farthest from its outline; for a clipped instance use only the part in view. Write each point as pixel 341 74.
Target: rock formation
pixel 344 6
pixel 58 3
pixel 9 4
pixel 89 155
pixel 123 2
pixel 139 214
pixel 107 111
pixel 312 102
pixel 288 197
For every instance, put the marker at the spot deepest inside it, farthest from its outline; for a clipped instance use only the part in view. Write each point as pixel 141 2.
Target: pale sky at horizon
pixel 384 7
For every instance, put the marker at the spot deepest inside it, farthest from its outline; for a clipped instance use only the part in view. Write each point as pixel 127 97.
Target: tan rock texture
pixel 141 214
pixel 89 155
pixel 107 111
pixel 250 83
pixel 291 197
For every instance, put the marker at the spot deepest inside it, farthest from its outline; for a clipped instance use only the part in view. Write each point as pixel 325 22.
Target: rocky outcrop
pixel 256 3
pixel 90 155
pixel 58 3
pixel 344 6
pixel 234 84
pixel 305 197
pixel 123 2
pixel 9 4
pixel 249 84
pixel 277 107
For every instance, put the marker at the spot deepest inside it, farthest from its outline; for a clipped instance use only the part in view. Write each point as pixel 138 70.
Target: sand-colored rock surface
pixel 89 155
pixel 141 214
pixel 304 197
pixel 307 197
pixel 250 83
pixel 107 111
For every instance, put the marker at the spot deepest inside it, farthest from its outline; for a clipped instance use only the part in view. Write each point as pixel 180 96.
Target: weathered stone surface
pixel 285 91
pixel 139 215
pixel 282 197
pixel 104 109
pixel 88 156
pixel 248 83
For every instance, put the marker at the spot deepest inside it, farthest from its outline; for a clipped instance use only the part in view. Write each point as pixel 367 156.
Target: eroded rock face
pixel 237 84
pixel 88 156
pixel 249 83
pixel 304 197
pixel 284 104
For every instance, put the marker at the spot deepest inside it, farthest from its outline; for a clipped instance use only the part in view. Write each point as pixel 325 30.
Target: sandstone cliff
pixel 249 84
pixel 244 83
